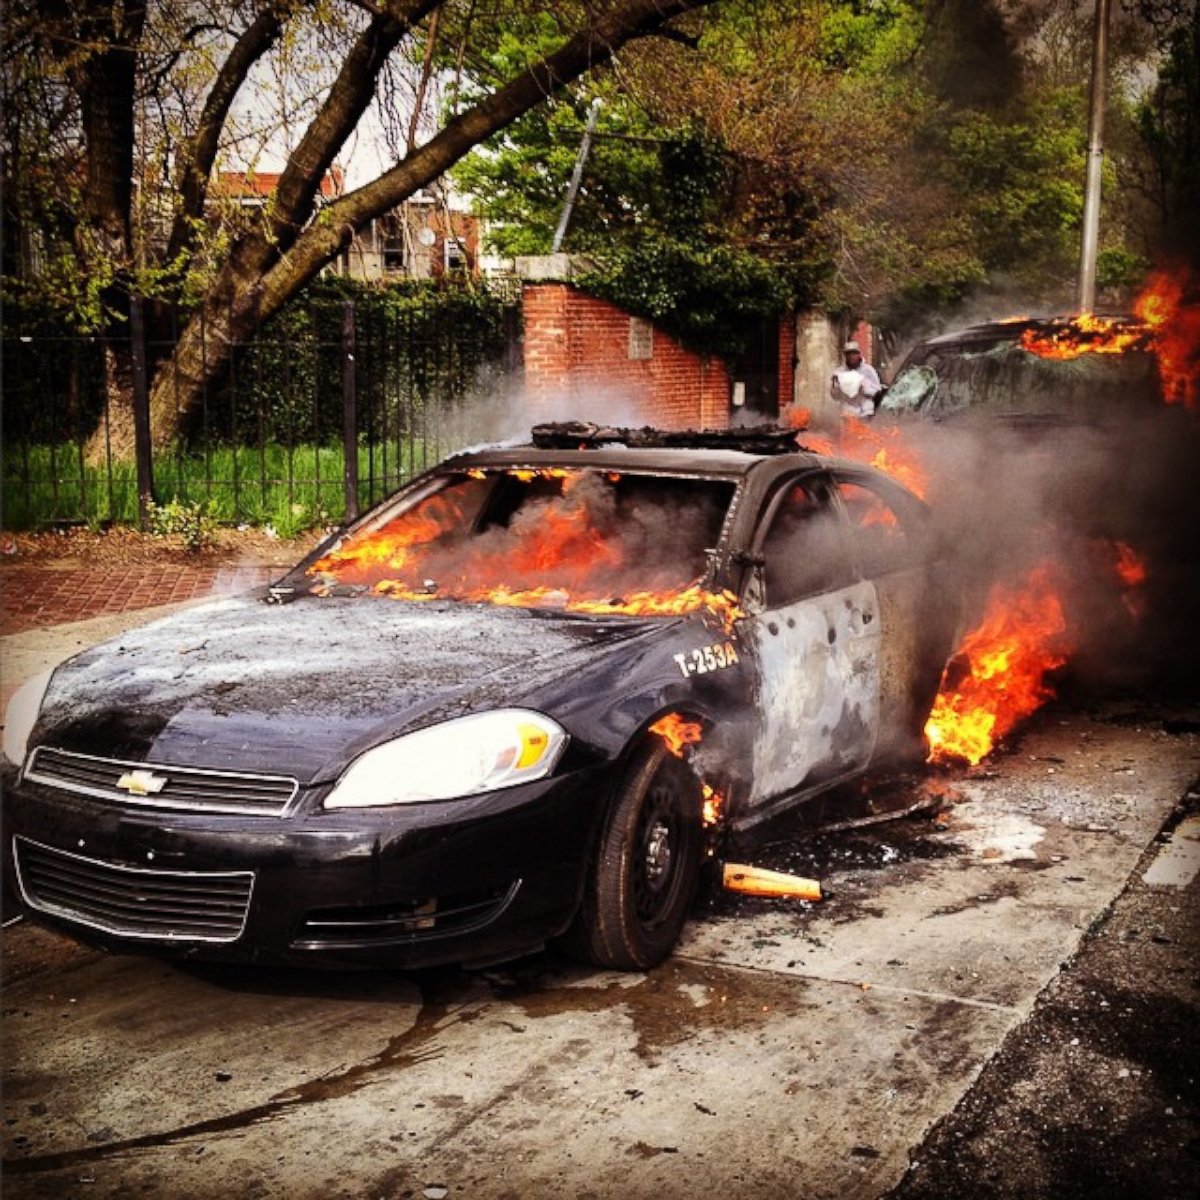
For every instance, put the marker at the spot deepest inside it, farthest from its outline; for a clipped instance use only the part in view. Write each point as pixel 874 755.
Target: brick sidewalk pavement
pixel 32 597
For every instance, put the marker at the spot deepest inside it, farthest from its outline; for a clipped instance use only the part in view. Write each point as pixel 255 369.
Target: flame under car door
pixel 816 638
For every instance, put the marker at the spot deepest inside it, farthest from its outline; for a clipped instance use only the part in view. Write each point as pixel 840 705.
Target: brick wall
pixel 578 362
pixel 787 361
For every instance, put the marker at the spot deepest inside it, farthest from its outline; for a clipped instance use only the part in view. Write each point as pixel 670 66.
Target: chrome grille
pixel 186 789
pixel 132 901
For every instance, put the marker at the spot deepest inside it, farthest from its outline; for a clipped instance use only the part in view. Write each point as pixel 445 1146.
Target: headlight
pixel 21 716
pixel 472 754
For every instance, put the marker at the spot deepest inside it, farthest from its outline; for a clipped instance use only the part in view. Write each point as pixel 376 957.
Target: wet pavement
pixel 1095 1095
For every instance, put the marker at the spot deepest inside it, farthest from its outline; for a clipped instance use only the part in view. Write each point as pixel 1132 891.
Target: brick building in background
pixel 424 237
pixel 588 358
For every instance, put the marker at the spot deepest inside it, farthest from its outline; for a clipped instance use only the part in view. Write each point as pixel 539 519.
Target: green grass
pixel 289 488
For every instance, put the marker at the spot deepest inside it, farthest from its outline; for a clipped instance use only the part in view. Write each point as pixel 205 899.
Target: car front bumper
pixel 464 881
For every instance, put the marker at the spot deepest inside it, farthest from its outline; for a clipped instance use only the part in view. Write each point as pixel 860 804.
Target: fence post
pixel 143 450
pixel 349 411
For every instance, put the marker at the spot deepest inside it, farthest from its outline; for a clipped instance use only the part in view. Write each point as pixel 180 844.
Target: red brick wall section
pixel 787 360
pixel 864 335
pixel 546 344
pixel 577 354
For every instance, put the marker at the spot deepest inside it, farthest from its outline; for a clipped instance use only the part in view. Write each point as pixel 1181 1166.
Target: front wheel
pixel 644 878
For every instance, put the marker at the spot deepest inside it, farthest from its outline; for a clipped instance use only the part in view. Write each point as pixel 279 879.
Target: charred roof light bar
pixel 583 435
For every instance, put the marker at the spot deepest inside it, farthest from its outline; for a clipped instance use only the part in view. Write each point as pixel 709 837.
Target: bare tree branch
pixel 200 152
pixel 348 99
pixel 155 78
pixel 319 244
pixel 423 86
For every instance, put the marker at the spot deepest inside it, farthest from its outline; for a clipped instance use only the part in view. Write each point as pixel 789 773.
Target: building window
pixel 394 259
pixel 456 255
pixel 641 338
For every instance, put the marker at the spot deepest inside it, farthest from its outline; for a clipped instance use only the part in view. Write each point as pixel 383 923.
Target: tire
pixel 647 866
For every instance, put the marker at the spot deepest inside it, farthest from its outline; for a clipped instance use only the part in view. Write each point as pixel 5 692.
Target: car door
pixel 892 545
pixel 814 630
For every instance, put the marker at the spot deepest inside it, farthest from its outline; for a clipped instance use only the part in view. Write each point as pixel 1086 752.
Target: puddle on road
pixel 674 1003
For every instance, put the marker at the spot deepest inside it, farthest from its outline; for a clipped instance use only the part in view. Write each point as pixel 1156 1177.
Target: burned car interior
pixel 535 536
pixel 526 698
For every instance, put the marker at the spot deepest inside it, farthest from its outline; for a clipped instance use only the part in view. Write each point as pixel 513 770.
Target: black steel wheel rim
pixel 659 849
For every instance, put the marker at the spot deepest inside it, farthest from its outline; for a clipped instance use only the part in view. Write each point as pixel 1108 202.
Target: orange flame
pixel 885 450
pixel 1165 324
pixel 1006 659
pixel 562 544
pixel 1176 331
pixel 1086 334
pixel 677 733
pixel 1131 572
pixel 816 443
pixel 390 546
pixel 1130 567
pixel 714 803
pixel 525 474
pixel 722 605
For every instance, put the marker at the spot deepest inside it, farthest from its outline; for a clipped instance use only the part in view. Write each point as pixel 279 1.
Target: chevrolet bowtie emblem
pixel 142 783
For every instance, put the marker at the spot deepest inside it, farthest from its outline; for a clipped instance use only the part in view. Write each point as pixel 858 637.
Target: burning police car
pixel 522 698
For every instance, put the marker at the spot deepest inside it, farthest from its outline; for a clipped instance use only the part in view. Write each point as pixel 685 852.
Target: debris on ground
pixel 758 881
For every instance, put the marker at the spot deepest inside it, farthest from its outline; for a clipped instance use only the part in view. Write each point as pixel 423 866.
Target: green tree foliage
pixel 1168 122
pixel 781 156
pixel 872 157
pixel 1019 173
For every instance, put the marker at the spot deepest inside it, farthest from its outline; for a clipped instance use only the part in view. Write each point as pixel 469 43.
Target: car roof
pixel 1010 330
pixel 676 461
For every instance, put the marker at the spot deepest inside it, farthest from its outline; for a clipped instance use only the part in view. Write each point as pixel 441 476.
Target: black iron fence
pixel 335 403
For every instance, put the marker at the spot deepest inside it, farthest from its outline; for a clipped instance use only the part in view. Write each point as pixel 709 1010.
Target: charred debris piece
pixel 585 435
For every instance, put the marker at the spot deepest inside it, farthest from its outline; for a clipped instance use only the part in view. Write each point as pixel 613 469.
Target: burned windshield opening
pixel 584 540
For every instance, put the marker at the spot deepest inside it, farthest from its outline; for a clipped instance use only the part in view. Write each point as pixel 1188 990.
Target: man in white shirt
pixel 856 385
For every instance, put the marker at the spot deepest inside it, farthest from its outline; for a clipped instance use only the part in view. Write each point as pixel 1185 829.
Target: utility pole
pixel 576 176
pixel 1095 159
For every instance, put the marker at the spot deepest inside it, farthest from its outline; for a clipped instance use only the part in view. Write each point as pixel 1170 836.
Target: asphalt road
pixel 999 998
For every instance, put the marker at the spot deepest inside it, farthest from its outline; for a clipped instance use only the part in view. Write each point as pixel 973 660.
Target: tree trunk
pixel 114 437
pixel 98 44
pixel 202 354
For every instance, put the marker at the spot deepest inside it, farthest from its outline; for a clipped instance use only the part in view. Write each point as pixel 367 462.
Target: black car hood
pixel 295 689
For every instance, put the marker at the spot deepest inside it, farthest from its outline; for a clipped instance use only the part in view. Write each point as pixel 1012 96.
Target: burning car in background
pixel 1084 369
pixel 1087 368
pixel 456 730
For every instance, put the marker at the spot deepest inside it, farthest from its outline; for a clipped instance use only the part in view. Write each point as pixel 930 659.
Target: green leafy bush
pixel 191 522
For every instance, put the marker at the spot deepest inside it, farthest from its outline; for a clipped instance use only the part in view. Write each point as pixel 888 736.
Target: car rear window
pixel 544 537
